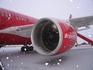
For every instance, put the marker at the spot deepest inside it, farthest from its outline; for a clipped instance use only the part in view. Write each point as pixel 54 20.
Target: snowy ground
pixel 78 58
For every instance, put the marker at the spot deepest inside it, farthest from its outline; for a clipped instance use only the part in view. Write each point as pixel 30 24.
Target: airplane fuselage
pixel 49 36
pixel 10 27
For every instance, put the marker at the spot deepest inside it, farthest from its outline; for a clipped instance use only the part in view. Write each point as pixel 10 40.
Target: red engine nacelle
pixel 51 36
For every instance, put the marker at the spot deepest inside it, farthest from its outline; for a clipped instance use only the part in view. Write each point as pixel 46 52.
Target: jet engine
pixel 52 36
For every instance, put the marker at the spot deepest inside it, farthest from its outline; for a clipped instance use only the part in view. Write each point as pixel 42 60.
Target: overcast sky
pixel 52 8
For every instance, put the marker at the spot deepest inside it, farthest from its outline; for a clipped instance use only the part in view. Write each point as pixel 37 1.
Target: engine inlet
pixel 46 35
pixel 49 35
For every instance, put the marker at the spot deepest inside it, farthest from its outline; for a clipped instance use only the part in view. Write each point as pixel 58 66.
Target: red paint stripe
pixel 85 38
pixel 10 39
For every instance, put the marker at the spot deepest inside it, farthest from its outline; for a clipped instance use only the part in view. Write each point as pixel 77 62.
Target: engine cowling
pixel 51 36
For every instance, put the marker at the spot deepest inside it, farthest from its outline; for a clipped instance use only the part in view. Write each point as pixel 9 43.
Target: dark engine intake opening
pixel 50 36
pixel 46 35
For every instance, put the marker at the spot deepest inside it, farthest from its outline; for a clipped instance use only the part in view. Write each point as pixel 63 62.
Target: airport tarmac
pixel 77 58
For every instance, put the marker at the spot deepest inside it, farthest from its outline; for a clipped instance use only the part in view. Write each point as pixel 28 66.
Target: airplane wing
pixel 81 22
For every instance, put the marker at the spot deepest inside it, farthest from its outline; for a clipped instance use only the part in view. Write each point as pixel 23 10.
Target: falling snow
pixel 8 18
pixel 20 69
pixel 46 64
pixel 9 54
pixel 77 66
pixel 10 0
pixel 77 6
pixel 22 63
pixel 60 60
pixel 58 63
pixel 11 60
pixel 89 35
pixel 17 56
pixel 71 0
pixel 8 65
pixel 7 57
